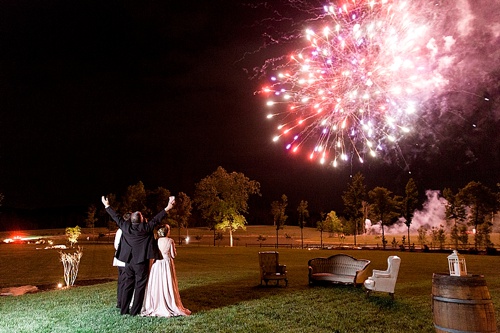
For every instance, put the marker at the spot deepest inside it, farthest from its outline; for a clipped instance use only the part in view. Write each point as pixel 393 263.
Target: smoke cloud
pixel 461 118
pixel 431 215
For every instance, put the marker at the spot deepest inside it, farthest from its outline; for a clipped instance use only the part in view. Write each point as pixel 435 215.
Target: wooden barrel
pixel 462 304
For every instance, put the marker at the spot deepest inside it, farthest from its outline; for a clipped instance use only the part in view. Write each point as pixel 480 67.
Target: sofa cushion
pixel 333 277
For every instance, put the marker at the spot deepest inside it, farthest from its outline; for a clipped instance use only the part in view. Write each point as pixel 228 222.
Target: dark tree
pixel 91 218
pixel 278 211
pixel 483 204
pixel 409 205
pixel 353 199
pixel 180 214
pixel 135 199
pixel 303 215
pixel 384 208
pixel 455 211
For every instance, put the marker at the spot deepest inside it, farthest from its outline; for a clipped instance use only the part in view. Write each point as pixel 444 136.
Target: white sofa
pixel 338 268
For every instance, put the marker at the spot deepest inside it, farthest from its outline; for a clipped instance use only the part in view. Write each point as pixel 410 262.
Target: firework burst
pixel 355 87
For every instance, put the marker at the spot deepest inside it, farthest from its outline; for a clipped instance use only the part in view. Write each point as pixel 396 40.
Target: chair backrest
pixel 269 261
pixel 393 263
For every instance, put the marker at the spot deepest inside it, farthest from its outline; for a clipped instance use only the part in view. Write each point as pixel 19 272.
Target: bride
pixel 162 297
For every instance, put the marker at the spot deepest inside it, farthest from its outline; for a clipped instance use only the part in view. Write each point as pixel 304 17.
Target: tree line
pixel 220 200
pixel 472 206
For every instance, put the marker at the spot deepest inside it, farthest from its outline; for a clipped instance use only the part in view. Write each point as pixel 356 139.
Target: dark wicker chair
pixel 270 269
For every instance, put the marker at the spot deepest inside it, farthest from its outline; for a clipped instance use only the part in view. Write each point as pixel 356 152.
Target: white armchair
pixel 384 281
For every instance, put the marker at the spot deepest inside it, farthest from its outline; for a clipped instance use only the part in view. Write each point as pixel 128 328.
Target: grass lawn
pixel 221 286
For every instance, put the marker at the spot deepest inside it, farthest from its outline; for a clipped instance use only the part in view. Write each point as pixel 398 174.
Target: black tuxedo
pixel 136 247
pixel 137 244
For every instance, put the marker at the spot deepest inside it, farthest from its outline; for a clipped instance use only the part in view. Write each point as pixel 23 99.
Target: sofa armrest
pixel 362 275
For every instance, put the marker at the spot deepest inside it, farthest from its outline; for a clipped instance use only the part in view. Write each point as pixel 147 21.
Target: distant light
pixel 59 285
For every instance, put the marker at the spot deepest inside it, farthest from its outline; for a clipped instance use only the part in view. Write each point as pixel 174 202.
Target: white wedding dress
pixel 162 297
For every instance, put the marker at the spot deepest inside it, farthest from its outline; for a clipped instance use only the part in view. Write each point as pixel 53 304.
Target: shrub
pixel 473 250
pixel 491 251
pixel 71 263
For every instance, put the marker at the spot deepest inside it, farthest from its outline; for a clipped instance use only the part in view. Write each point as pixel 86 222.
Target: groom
pixel 135 249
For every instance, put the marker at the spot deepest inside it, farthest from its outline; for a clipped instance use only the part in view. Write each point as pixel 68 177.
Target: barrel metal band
pixel 451 330
pixel 463 301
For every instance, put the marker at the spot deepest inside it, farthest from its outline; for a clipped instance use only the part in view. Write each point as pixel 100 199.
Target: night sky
pixel 98 95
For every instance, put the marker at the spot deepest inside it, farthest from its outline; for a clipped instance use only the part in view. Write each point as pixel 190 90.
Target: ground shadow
pixel 217 295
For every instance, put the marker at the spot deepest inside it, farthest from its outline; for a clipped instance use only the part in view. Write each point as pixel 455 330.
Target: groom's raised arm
pixel 161 215
pixel 117 218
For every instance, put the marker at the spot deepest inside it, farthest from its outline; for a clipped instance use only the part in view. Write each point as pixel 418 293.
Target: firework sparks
pixel 355 88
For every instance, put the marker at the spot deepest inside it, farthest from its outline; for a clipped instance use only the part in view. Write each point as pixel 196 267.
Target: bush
pixel 491 251
pixel 473 251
